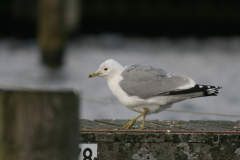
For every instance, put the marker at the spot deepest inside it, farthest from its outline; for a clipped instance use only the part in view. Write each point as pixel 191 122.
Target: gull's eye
pixel 105 69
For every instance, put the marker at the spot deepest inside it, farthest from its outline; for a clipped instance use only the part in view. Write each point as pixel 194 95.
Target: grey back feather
pixel 145 81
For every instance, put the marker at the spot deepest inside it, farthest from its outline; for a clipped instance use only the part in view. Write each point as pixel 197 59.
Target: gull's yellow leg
pixel 143 122
pixel 134 120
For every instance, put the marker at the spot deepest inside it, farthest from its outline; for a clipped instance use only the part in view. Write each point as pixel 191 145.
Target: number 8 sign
pixel 87 151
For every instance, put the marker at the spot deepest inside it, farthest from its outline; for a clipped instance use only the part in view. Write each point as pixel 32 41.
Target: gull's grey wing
pixel 145 81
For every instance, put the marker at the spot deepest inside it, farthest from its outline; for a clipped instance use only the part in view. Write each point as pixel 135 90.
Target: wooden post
pixel 51 31
pixel 38 125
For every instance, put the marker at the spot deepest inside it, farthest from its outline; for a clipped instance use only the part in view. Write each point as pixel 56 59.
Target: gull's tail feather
pixel 206 89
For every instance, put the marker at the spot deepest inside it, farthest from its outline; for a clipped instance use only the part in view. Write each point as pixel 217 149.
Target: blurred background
pixel 55 44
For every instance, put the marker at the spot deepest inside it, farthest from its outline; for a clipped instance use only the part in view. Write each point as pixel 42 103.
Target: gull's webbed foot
pixel 135 119
pixel 129 124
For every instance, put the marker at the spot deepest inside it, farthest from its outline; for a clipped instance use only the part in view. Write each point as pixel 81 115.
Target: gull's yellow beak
pixel 93 75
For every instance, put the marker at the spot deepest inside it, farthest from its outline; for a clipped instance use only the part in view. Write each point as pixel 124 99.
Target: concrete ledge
pixel 200 143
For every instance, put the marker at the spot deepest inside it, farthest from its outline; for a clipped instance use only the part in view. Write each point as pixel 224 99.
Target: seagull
pixel 147 90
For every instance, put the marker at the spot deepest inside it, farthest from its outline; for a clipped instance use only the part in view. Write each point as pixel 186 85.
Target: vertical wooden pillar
pixel 51 31
pixel 38 125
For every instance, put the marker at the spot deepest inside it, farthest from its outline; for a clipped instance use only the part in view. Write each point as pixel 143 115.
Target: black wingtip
pixel 210 90
pixel 206 89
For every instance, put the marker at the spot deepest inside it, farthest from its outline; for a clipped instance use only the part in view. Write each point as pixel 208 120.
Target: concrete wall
pixel 162 146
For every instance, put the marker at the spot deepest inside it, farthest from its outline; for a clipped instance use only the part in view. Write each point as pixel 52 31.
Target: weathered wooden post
pixel 51 31
pixel 38 125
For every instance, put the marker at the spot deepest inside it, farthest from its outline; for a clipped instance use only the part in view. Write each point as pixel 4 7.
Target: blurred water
pixel 214 61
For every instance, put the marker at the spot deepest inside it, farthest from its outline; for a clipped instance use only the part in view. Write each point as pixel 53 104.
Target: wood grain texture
pixel 38 125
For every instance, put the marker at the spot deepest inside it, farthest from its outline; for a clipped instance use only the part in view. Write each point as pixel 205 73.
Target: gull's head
pixel 107 69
